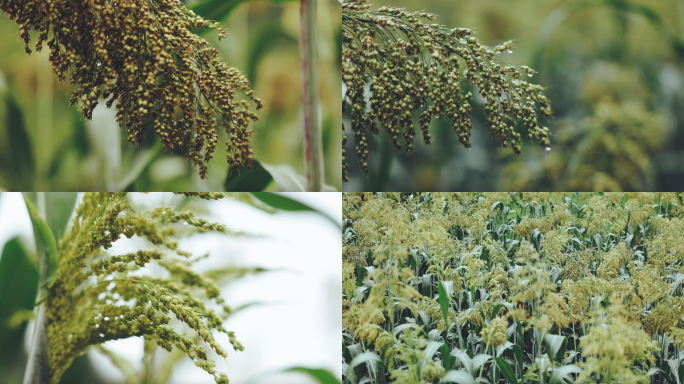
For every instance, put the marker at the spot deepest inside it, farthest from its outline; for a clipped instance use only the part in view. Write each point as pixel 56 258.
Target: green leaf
pixel 59 206
pixel 444 301
pixel 495 311
pixel 518 352
pixel 19 153
pixel 288 180
pixel 45 245
pixel 218 10
pixel 447 360
pixel 243 180
pixel 431 348
pixel 18 288
pixel 361 358
pixel 556 344
pixel 321 375
pixel 506 370
pixel 284 203
pixel 361 274
pixel 460 377
pixel 138 164
pixel 562 374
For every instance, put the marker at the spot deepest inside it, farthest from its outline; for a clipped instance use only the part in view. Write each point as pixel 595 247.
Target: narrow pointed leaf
pixel 460 377
pixel 320 375
pixel 443 301
pixel 45 245
pixel 506 370
pixel 562 374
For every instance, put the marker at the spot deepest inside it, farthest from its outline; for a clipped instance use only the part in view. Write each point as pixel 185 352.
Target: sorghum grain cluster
pixel 97 296
pixel 416 71
pixel 144 55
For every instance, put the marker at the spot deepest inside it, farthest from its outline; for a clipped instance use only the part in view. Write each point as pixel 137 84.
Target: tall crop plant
pixel 513 288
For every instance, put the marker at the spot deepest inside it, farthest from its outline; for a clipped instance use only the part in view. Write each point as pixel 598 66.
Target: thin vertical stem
pixel 38 366
pixel 313 144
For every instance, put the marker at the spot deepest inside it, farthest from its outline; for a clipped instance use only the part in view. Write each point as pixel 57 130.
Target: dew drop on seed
pixel 529 75
pixel 106 318
pixel 97 325
pixel 547 149
pixel 510 51
pixel 101 335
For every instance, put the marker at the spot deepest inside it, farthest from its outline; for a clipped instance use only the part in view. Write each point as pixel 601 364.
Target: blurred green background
pixel 613 72
pixel 46 145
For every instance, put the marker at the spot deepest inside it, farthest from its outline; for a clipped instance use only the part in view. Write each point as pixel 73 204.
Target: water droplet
pixel 97 325
pixel 547 149
pixel 106 318
pixel 529 75
pixel 510 51
pixel 101 335
pixel 468 149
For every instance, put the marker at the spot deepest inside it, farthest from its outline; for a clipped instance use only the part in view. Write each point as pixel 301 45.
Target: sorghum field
pixel 513 288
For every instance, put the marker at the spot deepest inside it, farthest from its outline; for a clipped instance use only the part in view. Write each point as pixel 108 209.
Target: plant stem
pixel 313 144
pixel 38 365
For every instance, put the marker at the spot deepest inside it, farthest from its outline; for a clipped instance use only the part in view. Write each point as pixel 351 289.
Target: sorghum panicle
pixel 144 55
pixel 411 69
pixel 96 298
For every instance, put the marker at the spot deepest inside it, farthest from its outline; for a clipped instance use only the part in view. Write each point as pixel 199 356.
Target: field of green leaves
pixel 545 288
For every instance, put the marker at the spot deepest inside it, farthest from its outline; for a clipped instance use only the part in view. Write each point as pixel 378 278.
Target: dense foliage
pixel 513 288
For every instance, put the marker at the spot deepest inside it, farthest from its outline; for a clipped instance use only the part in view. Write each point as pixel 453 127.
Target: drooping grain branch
pixel 400 73
pixel 143 55
pixel 98 296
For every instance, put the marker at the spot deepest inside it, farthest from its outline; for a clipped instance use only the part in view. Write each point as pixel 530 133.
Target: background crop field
pixel 513 288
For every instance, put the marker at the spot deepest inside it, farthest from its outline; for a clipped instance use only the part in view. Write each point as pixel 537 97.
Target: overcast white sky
pixel 298 323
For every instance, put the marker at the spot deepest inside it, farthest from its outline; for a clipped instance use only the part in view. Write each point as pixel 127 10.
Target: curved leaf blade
pixel 506 370
pixel 321 375
pixel 460 377
pixel 45 245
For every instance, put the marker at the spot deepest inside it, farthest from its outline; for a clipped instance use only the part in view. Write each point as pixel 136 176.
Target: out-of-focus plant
pixel 513 287
pixel 397 68
pixel 612 144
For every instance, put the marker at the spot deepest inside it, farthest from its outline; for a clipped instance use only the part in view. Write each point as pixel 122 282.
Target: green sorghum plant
pixel 425 71
pixel 97 297
pixel 582 286
pixel 144 55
